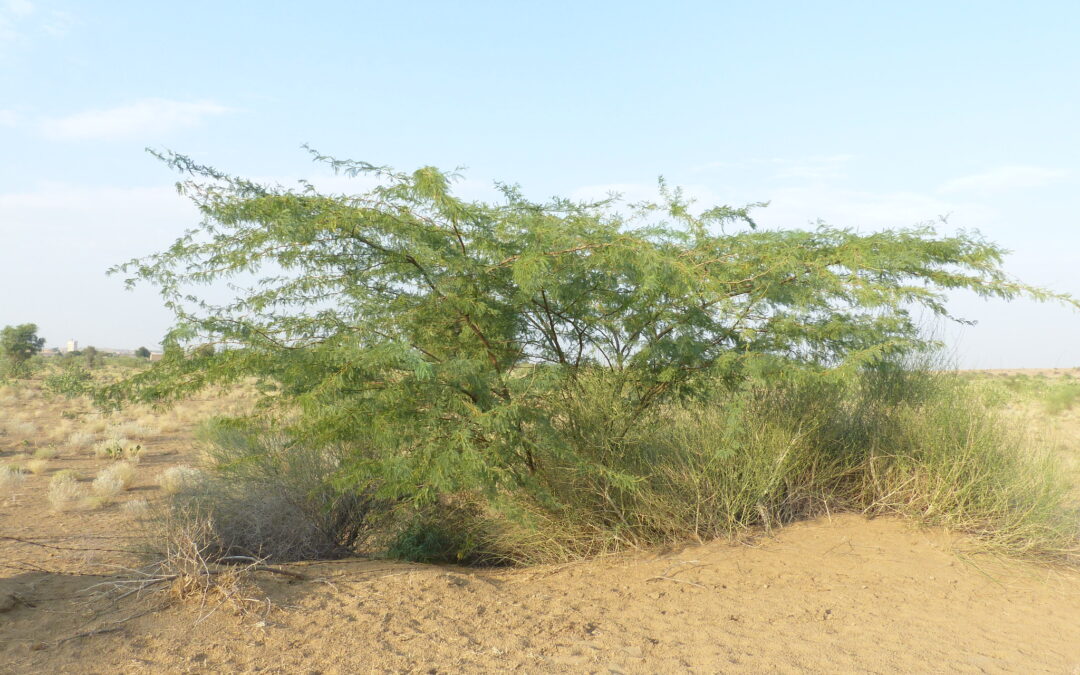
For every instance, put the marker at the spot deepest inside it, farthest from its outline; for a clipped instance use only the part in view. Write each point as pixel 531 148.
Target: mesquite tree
pixel 438 335
pixel 18 344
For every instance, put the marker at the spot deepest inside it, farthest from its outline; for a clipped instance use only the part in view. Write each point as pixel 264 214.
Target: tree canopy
pixel 439 334
pixel 19 343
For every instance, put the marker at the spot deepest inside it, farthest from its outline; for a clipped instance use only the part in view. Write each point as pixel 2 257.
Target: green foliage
pixel 70 380
pixel 93 359
pixel 448 345
pixel 142 353
pixel 17 345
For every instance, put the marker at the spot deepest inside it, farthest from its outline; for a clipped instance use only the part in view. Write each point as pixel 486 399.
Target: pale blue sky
pixel 862 114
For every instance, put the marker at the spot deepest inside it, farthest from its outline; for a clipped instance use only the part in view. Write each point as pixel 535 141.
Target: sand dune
pixel 836 595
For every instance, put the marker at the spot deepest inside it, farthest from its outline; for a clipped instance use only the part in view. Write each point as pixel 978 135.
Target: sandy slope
pixel 839 595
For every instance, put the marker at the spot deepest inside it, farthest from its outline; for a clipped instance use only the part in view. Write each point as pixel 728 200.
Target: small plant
pixel 67 474
pixel 134 430
pixel 118 448
pixel 21 428
pixel 37 466
pixel 1061 398
pixel 11 477
pixel 136 507
pixel 48 452
pixel 64 491
pixel 124 472
pixel 176 479
pixel 105 488
pixel 81 439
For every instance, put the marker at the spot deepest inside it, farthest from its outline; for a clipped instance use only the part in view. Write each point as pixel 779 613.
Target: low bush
pixel 775 450
pixel 47 452
pixel 105 488
pixel 81 439
pixel 64 491
pixel 11 477
pixel 177 479
pixel 118 448
pixel 267 498
pixel 123 472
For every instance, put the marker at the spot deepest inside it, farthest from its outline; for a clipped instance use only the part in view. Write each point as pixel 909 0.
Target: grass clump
pixel 48 452
pixel 123 472
pixel 264 497
pixel 64 491
pixel 118 449
pixel 1062 397
pixel 81 439
pixel 11 478
pixel 177 479
pixel 37 466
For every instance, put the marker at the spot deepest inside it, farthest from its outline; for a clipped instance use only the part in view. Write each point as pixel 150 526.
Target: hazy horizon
pixel 861 116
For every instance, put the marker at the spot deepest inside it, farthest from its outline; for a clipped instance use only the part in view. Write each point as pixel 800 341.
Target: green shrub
pixel 595 377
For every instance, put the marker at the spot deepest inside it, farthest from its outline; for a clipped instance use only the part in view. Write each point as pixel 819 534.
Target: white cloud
pixel 19 8
pixel 141 120
pixel 798 206
pixel 12 15
pixel 1005 178
pixel 59 23
pixel 813 168
pixel 9 118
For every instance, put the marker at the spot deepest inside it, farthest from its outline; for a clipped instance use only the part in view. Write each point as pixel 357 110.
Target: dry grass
pixel 80 440
pixel 118 448
pixel 136 507
pixel 37 466
pixel 11 478
pixel 110 483
pixel 123 472
pixel 176 479
pixel 48 452
pixel 64 491
pixel 21 428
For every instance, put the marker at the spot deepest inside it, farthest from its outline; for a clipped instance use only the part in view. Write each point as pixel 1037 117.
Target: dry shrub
pixel 58 432
pixel 124 472
pixel 47 452
pixel 21 428
pixel 187 569
pixel 37 466
pixel 131 430
pixel 81 439
pixel 269 499
pixel 64 491
pixel 136 507
pixel 11 478
pixel 118 448
pixel 178 479
pixel 105 488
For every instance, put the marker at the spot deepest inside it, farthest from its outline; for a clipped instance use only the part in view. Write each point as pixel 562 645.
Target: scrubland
pixel 805 527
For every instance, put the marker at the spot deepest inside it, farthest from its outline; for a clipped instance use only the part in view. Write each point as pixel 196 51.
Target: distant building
pixel 72 346
pixel 51 351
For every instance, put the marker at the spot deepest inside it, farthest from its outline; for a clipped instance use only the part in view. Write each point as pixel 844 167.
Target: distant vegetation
pixel 18 344
pixel 522 381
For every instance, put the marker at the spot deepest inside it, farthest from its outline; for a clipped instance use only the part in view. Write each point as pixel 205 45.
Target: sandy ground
pixel 843 594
